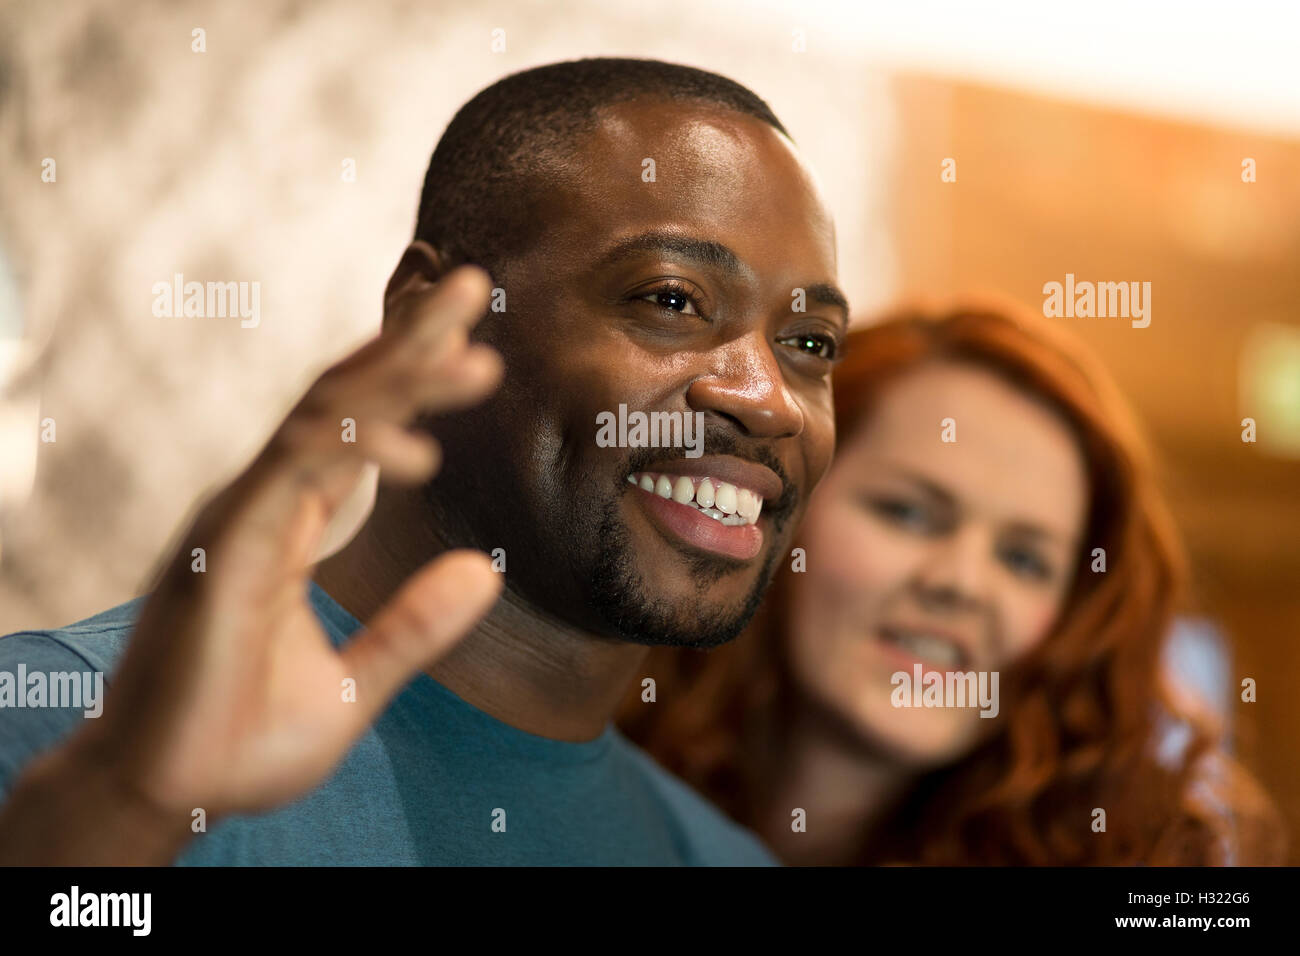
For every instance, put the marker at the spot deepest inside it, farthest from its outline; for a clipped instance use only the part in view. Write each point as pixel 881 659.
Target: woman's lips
pixel 689 526
pixel 942 650
pixel 900 658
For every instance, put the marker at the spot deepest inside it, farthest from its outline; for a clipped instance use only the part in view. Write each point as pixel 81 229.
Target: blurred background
pixel 1114 141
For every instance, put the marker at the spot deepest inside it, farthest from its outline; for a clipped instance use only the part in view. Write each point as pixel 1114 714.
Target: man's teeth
pixel 725 499
pixel 721 501
pixel 704 494
pixel 928 647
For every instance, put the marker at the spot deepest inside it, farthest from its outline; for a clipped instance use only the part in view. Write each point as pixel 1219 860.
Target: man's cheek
pixel 818 454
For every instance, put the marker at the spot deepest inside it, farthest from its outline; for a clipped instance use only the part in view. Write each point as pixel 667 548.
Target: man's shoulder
pixel 51 680
pixel 97 641
pixel 710 838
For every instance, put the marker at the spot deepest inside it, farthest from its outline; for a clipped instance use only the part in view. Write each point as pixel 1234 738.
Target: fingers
pixel 432 611
pixel 402 455
pixel 359 411
pixel 422 361
pixel 436 316
pixel 428 311
pixel 399 387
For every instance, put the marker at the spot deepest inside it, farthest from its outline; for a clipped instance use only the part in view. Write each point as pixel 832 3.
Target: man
pixel 656 243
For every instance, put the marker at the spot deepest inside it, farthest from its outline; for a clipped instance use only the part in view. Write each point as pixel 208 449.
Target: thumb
pixel 431 612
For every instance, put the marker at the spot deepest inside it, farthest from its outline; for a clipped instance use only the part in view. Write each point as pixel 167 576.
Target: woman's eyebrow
pixel 931 488
pixel 1026 527
pixel 1030 529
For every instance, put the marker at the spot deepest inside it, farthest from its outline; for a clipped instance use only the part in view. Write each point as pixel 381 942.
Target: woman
pixel 990 510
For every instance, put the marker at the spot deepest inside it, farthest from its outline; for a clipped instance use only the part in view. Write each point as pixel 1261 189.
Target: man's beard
pixel 618 602
pixel 616 593
pixel 619 596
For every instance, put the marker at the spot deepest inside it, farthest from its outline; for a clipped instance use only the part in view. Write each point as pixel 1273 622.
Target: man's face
pixel 671 292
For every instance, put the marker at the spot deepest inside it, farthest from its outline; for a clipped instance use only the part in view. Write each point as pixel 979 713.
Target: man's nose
pixel 745 383
pixel 955 574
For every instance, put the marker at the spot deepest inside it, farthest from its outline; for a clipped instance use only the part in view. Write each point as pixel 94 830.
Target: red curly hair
pixel 1085 710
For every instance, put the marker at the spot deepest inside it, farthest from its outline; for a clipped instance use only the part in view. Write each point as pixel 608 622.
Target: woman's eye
pixel 821 346
pixel 673 301
pixel 901 512
pixel 1026 563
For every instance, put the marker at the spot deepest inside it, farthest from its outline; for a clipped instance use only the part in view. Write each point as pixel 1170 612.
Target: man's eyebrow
pixel 710 254
pixel 704 252
pixel 827 294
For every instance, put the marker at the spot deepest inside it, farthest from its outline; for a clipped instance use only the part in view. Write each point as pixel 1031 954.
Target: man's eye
pixel 820 346
pixel 673 300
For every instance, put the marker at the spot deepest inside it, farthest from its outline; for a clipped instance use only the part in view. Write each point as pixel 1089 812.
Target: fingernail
pixel 471 283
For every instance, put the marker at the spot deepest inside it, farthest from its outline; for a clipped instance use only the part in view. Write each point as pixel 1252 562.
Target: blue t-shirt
pixel 423 786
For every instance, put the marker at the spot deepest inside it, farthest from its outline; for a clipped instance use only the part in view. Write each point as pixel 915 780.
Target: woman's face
pixel 955 555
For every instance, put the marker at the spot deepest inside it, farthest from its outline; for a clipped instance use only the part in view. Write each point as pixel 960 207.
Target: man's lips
pixel 698 522
pixel 684 524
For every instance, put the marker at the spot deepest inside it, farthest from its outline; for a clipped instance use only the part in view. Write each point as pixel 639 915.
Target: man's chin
pixel 667 627
pixel 646 591
pixel 704 602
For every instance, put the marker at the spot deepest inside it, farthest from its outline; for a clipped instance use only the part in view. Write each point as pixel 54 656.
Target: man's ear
pixel 420 262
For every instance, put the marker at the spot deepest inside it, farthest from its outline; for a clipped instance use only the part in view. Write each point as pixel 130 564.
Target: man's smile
pixel 712 504
pixel 723 502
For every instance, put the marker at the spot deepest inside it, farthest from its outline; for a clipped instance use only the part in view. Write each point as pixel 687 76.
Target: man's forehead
pixel 711 175
pixel 688 150
pixel 715 139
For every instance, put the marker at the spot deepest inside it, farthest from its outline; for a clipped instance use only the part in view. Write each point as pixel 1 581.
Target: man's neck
pixel 523 667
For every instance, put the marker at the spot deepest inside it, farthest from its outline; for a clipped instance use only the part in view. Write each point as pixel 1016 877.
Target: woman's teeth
pixel 928 647
pixel 720 501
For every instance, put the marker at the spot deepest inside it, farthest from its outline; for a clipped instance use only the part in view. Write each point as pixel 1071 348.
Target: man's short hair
pixel 481 192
